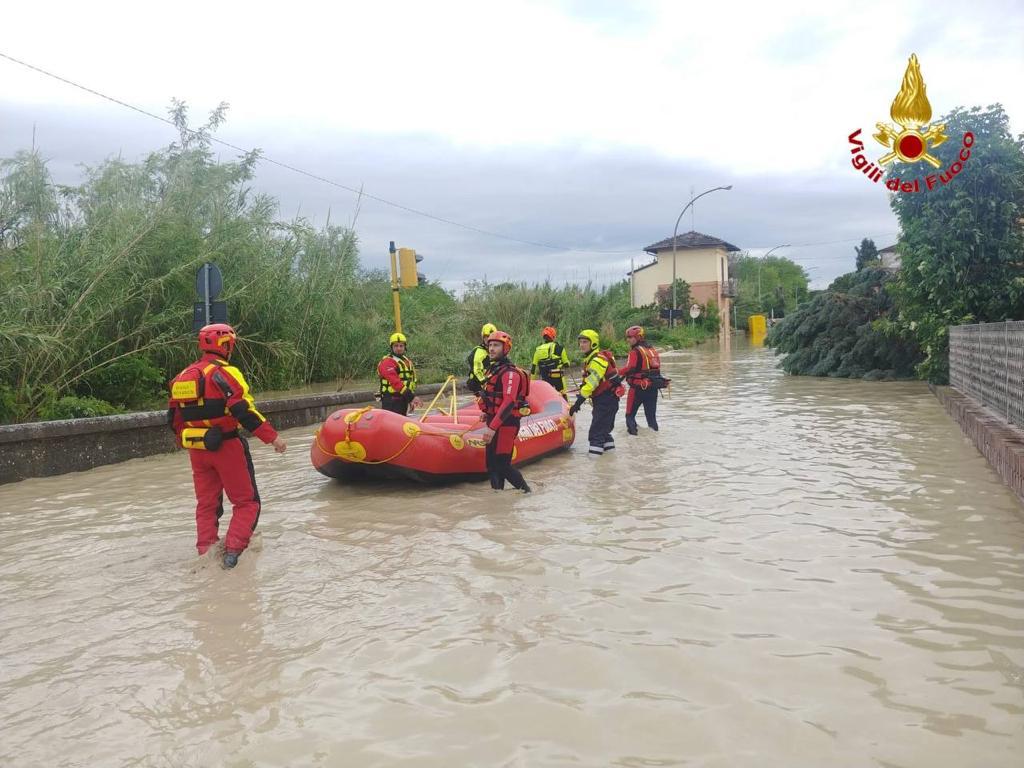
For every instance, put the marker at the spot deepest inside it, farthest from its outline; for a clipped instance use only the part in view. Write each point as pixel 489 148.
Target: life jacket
pixel 550 364
pixel 650 364
pixel 406 374
pixel 471 359
pixel 611 375
pixel 202 407
pixel 491 395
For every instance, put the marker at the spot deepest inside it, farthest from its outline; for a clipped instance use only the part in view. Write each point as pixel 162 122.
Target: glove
pixel 580 400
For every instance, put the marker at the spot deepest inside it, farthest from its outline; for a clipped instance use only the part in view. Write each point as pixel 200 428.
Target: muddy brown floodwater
pixel 793 572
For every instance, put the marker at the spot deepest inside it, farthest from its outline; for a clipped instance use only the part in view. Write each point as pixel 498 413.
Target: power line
pixel 830 242
pixel 354 190
pixel 286 166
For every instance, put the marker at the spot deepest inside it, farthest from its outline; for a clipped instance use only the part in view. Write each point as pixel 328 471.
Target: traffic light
pixel 407 261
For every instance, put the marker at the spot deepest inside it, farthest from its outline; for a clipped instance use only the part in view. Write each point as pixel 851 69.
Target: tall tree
pixel 772 285
pixel 867 253
pixel 962 243
pixel 841 332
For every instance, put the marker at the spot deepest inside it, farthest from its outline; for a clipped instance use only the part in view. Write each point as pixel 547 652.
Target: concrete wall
pixel 45 448
pixel 1000 442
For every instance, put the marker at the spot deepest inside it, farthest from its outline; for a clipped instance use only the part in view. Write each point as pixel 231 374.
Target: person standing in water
pixel 397 378
pixel 209 401
pixel 503 402
pixel 550 360
pixel 643 374
pixel 602 385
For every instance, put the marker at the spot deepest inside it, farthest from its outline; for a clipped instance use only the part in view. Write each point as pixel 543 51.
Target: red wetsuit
pixel 503 396
pixel 222 401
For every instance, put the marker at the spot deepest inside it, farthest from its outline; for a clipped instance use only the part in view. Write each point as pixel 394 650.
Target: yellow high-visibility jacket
pixel 598 372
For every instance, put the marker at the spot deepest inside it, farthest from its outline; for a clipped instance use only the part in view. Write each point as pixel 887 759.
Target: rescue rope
pixel 352 418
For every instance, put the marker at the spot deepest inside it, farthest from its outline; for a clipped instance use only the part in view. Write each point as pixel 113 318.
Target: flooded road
pixel 793 572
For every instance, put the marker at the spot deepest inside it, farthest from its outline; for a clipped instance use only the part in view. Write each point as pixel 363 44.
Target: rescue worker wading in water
pixel 602 385
pixel 397 378
pixel 549 360
pixel 209 400
pixel 503 401
pixel 478 361
pixel 643 374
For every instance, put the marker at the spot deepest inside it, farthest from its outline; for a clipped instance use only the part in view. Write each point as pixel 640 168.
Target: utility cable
pixel 317 177
pixel 339 185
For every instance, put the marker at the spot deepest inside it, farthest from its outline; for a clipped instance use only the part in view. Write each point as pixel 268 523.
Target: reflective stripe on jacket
pixel 504 393
pixel 397 375
pixel 212 393
pixel 643 361
pixel 549 358
pixel 477 362
pixel 599 374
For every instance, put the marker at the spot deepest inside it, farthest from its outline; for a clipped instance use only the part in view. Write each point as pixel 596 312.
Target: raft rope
pixel 354 417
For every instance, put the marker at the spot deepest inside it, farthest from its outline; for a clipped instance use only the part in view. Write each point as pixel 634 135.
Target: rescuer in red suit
pixel 503 401
pixel 643 373
pixel 397 378
pixel 209 401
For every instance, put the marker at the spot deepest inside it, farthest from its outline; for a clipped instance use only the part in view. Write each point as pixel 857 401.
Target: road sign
pixel 209 281
pixel 218 313
pixel 695 311
pixel 667 314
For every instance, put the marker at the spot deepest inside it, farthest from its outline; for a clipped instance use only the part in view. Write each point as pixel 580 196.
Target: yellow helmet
pixel 397 338
pixel 487 330
pixel 592 336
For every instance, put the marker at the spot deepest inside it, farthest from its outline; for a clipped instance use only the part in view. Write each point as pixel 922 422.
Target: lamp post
pixel 675 231
pixel 759 270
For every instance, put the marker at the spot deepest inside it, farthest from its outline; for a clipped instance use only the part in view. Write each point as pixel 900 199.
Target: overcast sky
pixel 582 125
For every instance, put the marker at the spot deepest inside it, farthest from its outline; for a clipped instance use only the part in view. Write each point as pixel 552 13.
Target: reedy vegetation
pixel 97 286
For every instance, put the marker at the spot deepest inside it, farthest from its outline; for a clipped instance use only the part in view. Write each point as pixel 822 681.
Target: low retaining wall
pixel 1000 442
pixel 46 448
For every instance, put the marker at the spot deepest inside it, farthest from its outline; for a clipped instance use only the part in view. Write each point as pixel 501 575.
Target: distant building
pixel 889 257
pixel 701 260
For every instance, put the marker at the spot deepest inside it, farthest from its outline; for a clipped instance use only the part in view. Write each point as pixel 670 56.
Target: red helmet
pixel 636 332
pixel 549 333
pixel 503 337
pixel 218 338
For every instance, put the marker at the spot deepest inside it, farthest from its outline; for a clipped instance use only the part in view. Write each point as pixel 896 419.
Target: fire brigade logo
pixel 912 111
pixel 911 139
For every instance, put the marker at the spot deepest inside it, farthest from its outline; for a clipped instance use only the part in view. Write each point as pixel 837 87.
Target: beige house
pixel 890 258
pixel 701 260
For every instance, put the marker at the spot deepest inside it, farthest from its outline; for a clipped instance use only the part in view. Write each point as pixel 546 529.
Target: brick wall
pixel 999 441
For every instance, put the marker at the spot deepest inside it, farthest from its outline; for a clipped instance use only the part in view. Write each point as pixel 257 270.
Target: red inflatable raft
pixel 438 447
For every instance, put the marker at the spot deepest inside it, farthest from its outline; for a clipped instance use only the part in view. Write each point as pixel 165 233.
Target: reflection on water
pixel 794 572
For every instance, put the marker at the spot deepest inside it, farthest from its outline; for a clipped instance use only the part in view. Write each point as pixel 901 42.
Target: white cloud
pixel 749 87
pixel 572 122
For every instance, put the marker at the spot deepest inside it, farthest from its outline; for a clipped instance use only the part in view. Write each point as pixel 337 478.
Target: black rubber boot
pixel 231 559
pixel 525 487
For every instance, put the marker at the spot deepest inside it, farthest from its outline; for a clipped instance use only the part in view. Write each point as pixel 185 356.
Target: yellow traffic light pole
pixel 403 275
pixel 394 290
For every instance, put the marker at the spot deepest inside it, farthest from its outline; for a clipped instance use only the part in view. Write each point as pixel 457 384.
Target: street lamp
pixel 759 269
pixel 675 231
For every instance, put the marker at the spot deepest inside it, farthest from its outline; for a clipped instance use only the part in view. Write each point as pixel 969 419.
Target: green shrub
pixel 847 332
pixel 129 383
pixel 72 407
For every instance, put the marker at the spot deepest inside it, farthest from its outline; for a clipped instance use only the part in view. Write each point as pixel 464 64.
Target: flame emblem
pixel 911 110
